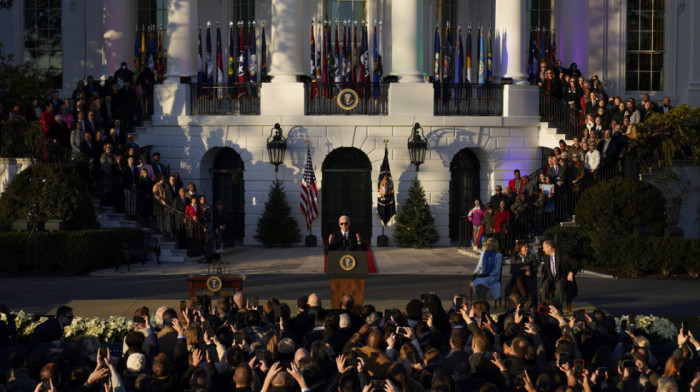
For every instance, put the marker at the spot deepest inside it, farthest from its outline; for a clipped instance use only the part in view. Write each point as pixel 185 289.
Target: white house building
pixel 634 46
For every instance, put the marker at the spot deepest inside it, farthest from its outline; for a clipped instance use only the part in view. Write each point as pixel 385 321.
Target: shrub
pixel 619 205
pixel 73 252
pixel 625 255
pixel 60 193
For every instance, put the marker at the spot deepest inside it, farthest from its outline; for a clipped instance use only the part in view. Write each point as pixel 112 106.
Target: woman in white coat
pixel 487 276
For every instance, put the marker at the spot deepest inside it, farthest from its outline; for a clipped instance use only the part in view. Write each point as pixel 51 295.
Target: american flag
pixel 309 193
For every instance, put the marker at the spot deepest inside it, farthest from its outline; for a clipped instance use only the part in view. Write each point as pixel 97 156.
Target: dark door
pixel 229 187
pixel 464 187
pixel 347 190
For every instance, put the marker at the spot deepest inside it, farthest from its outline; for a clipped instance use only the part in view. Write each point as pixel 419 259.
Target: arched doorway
pixel 464 187
pixel 347 190
pixel 228 186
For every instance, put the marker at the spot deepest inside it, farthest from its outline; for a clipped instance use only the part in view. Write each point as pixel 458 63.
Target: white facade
pixel 98 35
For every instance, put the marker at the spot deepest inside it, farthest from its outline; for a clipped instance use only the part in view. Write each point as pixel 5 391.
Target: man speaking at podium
pixel 344 239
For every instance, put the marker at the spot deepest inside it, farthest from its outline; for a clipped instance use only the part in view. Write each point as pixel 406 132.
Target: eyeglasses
pixel 344 223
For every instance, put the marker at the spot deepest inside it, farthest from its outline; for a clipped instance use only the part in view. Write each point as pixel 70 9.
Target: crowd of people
pixel 594 110
pixel 606 125
pixel 235 345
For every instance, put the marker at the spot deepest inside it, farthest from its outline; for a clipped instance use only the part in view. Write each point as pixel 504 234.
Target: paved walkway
pixel 292 272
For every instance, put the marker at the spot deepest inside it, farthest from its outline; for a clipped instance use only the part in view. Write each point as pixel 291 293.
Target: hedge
pixel 629 256
pixel 71 252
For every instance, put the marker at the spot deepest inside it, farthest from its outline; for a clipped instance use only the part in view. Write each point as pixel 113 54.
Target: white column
pixel 286 35
pixel 405 30
pixel 118 35
pixel 510 40
pixel 182 39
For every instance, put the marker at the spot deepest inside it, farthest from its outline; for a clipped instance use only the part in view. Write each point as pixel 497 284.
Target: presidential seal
pixel 348 263
pixel 214 283
pixel 348 99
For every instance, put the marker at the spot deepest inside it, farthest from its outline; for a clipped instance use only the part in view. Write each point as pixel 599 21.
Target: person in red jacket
pixel 500 222
pixel 193 215
pixel 516 184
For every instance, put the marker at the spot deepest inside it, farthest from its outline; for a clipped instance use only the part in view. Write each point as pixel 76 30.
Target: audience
pixel 234 345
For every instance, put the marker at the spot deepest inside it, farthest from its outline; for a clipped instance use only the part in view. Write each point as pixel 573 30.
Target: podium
pixel 346 274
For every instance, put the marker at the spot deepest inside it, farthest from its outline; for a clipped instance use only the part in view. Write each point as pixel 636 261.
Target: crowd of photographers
pixel 235 345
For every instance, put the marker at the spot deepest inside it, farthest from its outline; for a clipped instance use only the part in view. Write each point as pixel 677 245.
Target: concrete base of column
pixel 282 99
pixel 414 99
pixel 172 99
pixel 520 101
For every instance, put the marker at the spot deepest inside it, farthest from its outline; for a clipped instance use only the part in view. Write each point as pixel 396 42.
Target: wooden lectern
pixel 346 274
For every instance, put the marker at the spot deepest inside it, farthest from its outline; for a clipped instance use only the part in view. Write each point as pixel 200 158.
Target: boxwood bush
pixel 628 256
pixel 619 205
pixel 59 191
pixel 65 252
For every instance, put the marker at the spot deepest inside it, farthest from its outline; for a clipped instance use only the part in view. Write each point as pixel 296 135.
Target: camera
pixel 139 319
pixel 578 368
pixel 401 331
pixel 104 351
pixel 458 303
pixel 378 384
pixel 563 358
pixel 238 337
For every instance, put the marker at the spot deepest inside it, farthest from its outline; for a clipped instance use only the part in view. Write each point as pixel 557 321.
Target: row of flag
pixel 386 203
pixel 543 49
pixel 241 69
pixel 335 65
pixel 458 70
pixel 148 50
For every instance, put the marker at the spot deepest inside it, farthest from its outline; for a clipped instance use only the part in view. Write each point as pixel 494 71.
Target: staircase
pixel 109 218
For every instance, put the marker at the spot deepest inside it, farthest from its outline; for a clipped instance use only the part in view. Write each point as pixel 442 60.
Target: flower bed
pixel 112 329
pixel 659 330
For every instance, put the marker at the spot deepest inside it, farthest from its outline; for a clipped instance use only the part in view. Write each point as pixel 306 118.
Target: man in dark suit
pixel 158 167
pixel 131 173
pixel 51 330
pixel 180 202
pixel 344 239
pixel 558 275
pixel 608 148
pixel 89 149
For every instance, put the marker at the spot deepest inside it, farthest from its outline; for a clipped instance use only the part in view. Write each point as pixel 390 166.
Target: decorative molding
pixel 681 6
pixel 617 4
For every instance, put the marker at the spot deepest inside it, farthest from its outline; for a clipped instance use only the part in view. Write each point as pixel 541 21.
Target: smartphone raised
pixel 46 384
pixel 484 317
pixel 277 314
pixel 628 363
pixel 684 328
pixel 183 306
pixel 139 319
pixel 602 374
pixel 581 315
pixel 401 331
pixel 238 337
pixel 563 359
pixel 543 310
pixel 578 368
pixel 458 303
pixel 425 313
pixel 104 350
pixel 377 384
pixel 259 355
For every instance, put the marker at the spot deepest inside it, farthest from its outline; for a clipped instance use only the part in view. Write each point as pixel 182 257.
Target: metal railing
pixel 321 98
pixel 225 99
pixel 468 99
pixel 25 140
pixel 566 119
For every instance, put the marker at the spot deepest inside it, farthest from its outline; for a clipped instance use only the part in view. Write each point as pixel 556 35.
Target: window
pixel 540 15
pixel 243 10
pixel 645 45
pixel 341 10
pixel 152 13
pixel 43 39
